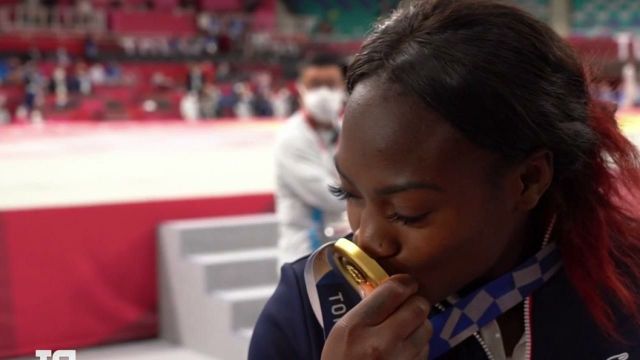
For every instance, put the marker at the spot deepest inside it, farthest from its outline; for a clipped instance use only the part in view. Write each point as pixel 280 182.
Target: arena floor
pixel 63 164
pixel 630 124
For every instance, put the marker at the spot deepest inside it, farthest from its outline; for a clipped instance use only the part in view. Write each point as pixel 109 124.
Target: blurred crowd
pixel 257 98
pixel 623 92
pixel 218 35
pixel 206 91
pixel 208 83
pixel 67 81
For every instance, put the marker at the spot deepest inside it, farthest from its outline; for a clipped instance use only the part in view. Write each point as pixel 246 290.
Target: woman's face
pixel 422 199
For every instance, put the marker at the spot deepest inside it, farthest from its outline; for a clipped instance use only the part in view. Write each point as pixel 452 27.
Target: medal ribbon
pixel 331 296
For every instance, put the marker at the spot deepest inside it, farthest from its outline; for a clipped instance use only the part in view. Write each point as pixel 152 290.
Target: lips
pixel 392 267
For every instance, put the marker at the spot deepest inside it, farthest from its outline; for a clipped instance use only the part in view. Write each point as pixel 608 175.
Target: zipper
pixel 476 335
pixel 527 328
pixel 483 345
pixel 527 334
pixel 527 331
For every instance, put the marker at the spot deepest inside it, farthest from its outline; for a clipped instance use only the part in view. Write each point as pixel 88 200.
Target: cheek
pixel 462 243
pixel 448 260
pixel 353 215
pixel 477 232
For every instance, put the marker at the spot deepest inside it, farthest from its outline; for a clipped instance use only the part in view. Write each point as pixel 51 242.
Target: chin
pixel 431 297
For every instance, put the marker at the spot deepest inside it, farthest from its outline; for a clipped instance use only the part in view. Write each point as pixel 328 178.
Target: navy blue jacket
pixel 562 328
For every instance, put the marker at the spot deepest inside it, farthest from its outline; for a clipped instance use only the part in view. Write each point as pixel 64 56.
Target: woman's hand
pixel 390 323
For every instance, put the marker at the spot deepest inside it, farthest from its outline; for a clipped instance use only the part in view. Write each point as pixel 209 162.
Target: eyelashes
pixel 406 220
pixel 339 192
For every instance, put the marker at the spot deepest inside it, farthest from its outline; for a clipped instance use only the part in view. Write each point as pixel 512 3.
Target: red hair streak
pixel 600 229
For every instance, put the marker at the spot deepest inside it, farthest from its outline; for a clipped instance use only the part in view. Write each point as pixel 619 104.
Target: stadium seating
pixel 602 17
pixel 353 18
pixel 349 18
pixel 221 5
pixel 152 23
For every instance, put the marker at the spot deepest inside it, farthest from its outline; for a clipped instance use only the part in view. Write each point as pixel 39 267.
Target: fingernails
pixel 424 306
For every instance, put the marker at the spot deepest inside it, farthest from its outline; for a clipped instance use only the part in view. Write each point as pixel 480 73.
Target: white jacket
pixel 304 205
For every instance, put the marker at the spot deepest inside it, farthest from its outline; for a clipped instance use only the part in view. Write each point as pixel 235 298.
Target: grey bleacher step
pixel 207 236
pixel 246 304
pixel 238 269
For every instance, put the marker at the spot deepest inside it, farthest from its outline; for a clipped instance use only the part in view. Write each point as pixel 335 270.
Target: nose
pixel 375 236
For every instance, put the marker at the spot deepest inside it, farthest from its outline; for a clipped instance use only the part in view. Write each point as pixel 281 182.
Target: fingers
pixel 391 323
pixel 410 328
pixel 411 315
pixel 416 345
pixel 382 302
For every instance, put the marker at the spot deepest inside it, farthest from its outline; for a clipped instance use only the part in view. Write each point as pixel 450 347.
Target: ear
pixel 534 176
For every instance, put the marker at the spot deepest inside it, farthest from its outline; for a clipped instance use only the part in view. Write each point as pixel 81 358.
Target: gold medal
pixel 362 272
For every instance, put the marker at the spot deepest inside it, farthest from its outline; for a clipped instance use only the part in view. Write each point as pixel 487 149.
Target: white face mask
pixel 323 104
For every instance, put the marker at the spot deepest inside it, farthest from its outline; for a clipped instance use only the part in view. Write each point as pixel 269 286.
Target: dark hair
pixel 513 86
pixel 324 59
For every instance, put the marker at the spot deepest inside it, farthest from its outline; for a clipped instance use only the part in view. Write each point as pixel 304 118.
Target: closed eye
pixel 340 193
pixel 406 220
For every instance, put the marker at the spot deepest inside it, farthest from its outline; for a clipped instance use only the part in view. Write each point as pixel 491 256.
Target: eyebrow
pixel 407 186
pixel 397 188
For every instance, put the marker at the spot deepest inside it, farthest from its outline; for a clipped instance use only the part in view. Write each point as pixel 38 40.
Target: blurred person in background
pixel 15 71
pixel 304 160
pixel 605 92
pixel 80 82
pixel 209 99
pixel 98 74
pixel 84 11
pixel 113 73
pixel 243 108
pixel 629 86
pixel 189 106
pixel 223 72
pixel 261 103
pixel 62 57
pixel 195 78
pixel 58 86
pixel 30 110
pixel 91 50
pixel 283 102
pixel 227 103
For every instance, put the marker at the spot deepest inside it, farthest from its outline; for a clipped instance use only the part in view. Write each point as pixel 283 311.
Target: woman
pixel 470 142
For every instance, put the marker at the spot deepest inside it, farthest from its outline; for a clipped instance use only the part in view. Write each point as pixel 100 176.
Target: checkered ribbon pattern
pixel 469 314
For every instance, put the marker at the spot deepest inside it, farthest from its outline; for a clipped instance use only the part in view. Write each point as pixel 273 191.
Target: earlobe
pixel 535 175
